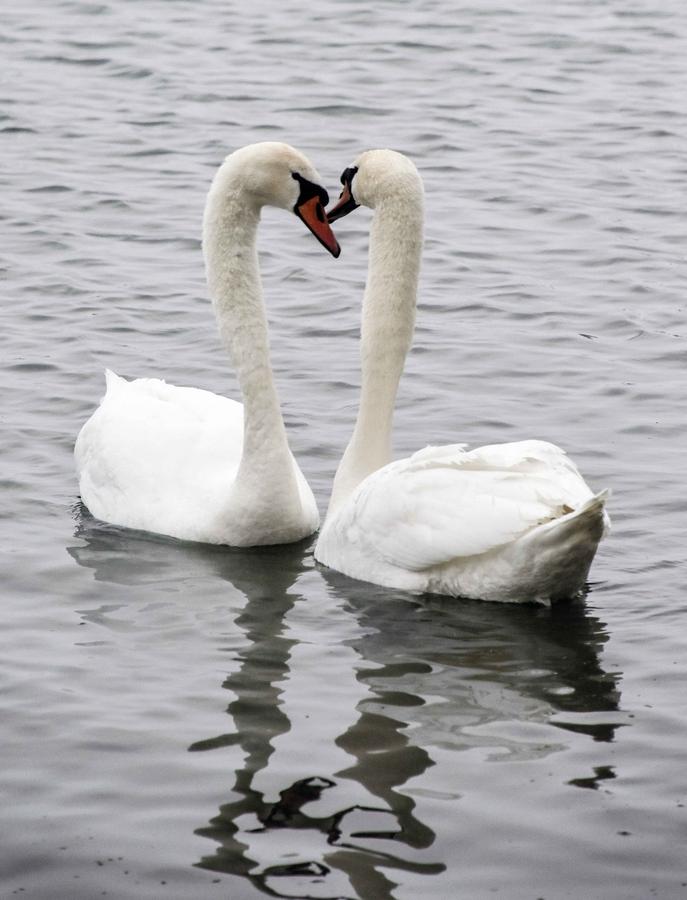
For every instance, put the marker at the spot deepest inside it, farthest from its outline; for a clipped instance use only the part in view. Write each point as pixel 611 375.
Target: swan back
pixel 500 522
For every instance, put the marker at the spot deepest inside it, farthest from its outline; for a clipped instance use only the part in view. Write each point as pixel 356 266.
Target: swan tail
pixel 589 519
pixel 562 550
pixel 593 513
pixel 596 507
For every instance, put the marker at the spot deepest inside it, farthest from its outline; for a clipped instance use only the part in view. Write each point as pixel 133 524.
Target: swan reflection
pixel 472 662
pixel 359 718
pixel 414 676
pixel 310 765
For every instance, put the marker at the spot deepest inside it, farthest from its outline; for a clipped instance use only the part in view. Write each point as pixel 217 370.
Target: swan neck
pixel 388 321
pixel 230 249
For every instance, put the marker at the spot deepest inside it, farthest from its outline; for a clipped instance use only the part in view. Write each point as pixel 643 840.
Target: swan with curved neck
pixel 505 522
pixel 188 463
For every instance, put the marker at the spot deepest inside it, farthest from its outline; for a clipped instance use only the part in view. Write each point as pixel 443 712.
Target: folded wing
pixel 445 503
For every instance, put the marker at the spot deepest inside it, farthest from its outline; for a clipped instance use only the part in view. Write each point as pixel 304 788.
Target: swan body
pixel 509 522
pixel 188 463
pixel 162 458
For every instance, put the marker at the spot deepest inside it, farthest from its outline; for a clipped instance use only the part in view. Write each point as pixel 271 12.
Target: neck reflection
pixel 336 830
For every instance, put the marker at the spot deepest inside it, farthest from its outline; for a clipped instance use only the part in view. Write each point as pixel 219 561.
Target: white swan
pixel 509 522
pixel 185 462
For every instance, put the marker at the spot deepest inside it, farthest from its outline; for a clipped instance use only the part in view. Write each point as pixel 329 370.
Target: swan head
pixel 271 173
pixel 374 177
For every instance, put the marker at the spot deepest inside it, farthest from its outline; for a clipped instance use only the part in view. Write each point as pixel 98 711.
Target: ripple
pixel 32 367
pixel 17 129
pixel 49 189
pixel 339 109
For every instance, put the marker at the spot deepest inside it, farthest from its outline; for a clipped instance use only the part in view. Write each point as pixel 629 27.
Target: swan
pixel 505 522
pixel 188 463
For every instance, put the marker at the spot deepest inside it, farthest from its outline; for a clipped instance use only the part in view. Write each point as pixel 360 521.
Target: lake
pixel 181 721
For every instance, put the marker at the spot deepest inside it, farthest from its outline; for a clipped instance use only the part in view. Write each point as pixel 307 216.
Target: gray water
pixel 189 722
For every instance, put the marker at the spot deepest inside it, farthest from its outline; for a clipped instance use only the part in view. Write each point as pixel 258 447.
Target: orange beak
pixel 313 215
pixel 345 205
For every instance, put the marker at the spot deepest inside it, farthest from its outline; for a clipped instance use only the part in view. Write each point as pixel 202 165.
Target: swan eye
pixel 347 176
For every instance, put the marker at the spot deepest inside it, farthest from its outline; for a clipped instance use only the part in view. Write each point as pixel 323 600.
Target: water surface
pixel 182 721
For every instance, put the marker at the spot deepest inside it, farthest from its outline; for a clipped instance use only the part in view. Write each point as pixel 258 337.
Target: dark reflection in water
pixel 128 557
pixel 550 654
pixel 409 640
pixel 431 672
pixel 385 759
